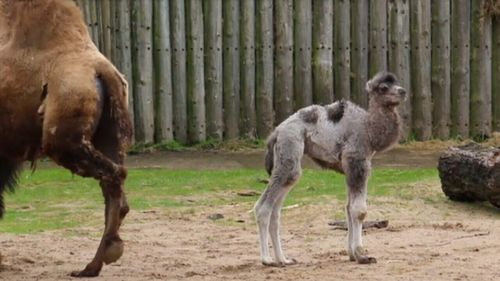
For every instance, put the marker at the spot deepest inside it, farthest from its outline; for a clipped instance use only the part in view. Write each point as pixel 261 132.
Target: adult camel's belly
pixel 20 97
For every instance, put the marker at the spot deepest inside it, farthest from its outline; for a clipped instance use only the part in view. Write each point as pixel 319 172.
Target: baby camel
pixel 340 136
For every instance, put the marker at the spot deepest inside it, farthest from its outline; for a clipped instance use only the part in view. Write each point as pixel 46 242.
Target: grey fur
pixel 344 137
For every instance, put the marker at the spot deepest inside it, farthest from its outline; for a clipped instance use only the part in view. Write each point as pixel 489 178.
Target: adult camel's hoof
pixel 87 272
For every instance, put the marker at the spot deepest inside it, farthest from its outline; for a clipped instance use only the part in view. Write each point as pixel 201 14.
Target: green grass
pixel 210 144
pixel 55 199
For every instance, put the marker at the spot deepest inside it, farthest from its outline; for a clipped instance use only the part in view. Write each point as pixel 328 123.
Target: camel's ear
pixel 371 86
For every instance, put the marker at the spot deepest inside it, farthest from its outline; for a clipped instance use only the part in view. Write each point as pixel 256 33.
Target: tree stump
pixel 471 173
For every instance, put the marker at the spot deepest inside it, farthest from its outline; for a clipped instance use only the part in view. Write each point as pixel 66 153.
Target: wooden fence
pixel 225 69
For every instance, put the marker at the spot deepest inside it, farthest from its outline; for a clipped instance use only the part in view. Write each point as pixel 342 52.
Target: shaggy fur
pixel 342 137
pixel 61 98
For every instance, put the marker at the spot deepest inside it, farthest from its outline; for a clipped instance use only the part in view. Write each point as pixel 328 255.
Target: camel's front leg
pixel 111 246
pixel 357 172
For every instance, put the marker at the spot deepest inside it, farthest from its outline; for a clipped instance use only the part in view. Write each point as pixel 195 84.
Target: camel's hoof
pixel 288 262
pixel 361 258
pixel 367 260
pixel 352 256
pixel 284 263
pixel 85 273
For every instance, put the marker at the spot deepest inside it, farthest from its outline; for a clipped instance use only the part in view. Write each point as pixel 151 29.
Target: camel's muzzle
pixel 402 92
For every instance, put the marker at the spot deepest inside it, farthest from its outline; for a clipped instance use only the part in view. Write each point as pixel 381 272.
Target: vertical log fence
pixel 225 69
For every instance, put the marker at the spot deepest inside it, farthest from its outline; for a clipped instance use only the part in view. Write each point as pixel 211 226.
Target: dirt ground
pixel 424 241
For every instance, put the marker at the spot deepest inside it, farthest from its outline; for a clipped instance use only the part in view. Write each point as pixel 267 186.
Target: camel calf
pixel 340 136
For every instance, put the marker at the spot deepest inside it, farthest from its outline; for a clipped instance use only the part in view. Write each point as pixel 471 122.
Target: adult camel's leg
pixel 69 131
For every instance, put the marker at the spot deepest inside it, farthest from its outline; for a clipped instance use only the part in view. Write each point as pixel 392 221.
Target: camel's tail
pixel 115 113
pixel 8 179
pixel 269 161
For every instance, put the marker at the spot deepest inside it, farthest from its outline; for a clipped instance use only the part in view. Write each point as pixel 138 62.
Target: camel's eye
pixel 383 87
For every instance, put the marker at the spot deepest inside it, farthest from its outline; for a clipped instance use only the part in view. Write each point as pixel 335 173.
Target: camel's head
pixel 384 90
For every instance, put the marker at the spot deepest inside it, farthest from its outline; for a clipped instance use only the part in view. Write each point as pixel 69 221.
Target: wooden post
pixel 283 69
pixel 81 5
pixel 302 85
pixel 399 56
pixel 85 6
pixel 113 29
pixel 195 75
pixel 264 67
pixel 495 72
pixel 322 63
pixel 247 72
pixel 359 51
pixel 480 71
pixel 213 68
pixel 99 21
pixel 105 15
pixel 460 56
pixel 142 14
pixel 378 36
pixel 163 73
pixel 342 49
pixel 420 24
pixel 93 21
pixel 177 23
pixel 440 73
pixel 124 54
pixel 231 68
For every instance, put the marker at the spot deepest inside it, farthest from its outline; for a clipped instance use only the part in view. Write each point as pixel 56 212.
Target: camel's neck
pixel 41 24
pixel 383 127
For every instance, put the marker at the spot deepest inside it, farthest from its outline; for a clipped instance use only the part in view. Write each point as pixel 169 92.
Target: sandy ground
pixel 441 240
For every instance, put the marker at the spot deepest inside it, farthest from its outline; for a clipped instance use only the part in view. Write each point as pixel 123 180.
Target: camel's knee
pixel 262 211
pixel 357 211
pixel 286 177
pixel 124 208
pixel 293 177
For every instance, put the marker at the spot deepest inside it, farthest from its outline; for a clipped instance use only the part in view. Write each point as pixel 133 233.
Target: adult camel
pixel 61 98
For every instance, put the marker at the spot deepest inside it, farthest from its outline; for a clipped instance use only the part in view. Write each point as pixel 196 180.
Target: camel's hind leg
pixel 71 138
pixel 85 160
pixel 268 208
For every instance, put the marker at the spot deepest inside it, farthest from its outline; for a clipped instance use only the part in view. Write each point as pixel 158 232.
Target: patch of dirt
pixel 440 240
pixel 446 242
pixel 412 156
pixel 211 160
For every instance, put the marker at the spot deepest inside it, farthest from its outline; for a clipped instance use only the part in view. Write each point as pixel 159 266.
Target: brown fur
pixel 60 97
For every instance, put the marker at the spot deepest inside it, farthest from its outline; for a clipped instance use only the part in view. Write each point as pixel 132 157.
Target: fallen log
pixel 471 173
pixel 342 225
